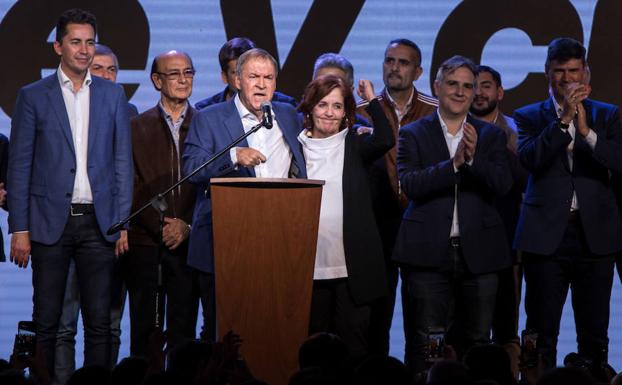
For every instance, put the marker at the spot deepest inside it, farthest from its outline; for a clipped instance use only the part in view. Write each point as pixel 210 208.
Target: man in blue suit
pixel 271 153
pixel 569 227
pixel 70 177
pixel 452 241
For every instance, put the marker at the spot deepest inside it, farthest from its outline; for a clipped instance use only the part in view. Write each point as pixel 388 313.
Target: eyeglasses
pixel 175 75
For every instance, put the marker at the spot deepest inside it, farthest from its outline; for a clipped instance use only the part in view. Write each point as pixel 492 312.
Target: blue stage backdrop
pixel 510 35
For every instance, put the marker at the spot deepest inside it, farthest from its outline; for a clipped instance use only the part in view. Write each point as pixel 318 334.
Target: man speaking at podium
pixel 268 153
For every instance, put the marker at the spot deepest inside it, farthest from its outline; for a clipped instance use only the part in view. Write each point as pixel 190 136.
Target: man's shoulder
pixel 148 115
pixel 426 99
pixel 214 99
pixel 43 83
pixel 282 98
pixel 421 124
pixel 532 108
pixel 601 105
pixel 283 107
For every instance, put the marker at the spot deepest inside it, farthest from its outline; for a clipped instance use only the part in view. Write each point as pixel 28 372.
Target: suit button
pixel 73 171
pixel 68 195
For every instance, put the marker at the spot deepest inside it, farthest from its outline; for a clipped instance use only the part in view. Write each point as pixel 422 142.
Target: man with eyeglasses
pixel 158 136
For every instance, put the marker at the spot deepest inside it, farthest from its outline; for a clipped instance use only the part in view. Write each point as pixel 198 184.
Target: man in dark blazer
pixel 452 240
pixel 570 226
pixel 70 178
pixel 271 153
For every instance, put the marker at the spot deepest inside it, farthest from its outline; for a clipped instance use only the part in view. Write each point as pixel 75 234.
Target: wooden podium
pixel 265 237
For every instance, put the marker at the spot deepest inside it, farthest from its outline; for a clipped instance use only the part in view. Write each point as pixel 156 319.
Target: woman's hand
pixel 366 90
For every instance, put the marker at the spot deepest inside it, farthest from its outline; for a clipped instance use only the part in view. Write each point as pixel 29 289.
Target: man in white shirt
pixel 452 240
pixel 70 177
pixel 273 153
pixel 569 226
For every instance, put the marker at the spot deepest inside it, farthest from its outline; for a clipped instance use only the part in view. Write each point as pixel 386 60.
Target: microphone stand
pixel 158 202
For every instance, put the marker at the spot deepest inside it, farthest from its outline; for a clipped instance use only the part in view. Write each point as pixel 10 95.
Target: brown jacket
pixel 156 167
pixel 421 106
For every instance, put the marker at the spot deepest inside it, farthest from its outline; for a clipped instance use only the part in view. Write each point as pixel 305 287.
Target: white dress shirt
pixel 270 142
pixel 324 158
pixel 77 105
pixel 590 139
pixel 452 145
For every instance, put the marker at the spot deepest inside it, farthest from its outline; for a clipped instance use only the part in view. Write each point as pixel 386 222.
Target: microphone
pixel 266 111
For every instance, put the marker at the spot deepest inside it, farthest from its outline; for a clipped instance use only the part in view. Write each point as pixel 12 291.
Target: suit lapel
pixel 549 115
pixel 55 95
pixel 95 106
pixel 437 137
pixel 233 125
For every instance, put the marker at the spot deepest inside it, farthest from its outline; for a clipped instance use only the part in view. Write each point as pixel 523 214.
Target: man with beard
pixel 402 104
pixel 485 106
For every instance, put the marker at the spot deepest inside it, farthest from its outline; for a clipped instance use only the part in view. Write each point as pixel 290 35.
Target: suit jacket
pixel 4 161
pixel 222 97
pixel 153 174
pixel 211 130
pixel 361 240
pixel 546 206
pixel 42 160
pixel 509 204
pixel 389 201
pixel 427 177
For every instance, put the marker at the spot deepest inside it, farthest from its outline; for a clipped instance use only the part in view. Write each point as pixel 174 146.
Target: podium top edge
pixel 267 182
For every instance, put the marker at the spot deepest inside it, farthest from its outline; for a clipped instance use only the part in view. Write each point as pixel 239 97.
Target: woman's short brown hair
pixel 317 90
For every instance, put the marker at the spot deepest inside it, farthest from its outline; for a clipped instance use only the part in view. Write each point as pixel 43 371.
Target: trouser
pixel 93 256
pixel 445 297
pixel 547 280
pixel 180 290
pixel 333 310
pixel 65 363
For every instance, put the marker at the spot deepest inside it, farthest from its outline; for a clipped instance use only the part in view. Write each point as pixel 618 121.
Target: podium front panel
pixel 265 236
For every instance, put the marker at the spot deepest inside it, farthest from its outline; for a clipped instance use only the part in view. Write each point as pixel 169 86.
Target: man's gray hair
pixel 452 64
pixel 104 50
pixel 334 60
pixel 254 54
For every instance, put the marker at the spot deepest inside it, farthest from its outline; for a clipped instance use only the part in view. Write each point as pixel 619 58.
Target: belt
pixel 78 209
pixel 454 242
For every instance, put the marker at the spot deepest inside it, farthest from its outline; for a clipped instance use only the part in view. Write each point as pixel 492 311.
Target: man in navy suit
pixel 452 241
pixel 70 178
pixel 569 227
pixel 273 153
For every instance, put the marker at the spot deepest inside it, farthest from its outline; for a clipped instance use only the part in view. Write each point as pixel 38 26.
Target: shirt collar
pixel 444 126
pixel 410 99
pixel 558 108
pixel 168 116
pixel 67 83
pixel 242 110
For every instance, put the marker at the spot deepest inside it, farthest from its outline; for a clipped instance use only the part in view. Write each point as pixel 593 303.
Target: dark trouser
pixel 619 266
pixel 445 297
pixel 547 280
pixel 181 290
pixel 333 310
pixel 208 304
pixel 65 363
pixel 83 242
pixel 505 317
pixel 382 314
